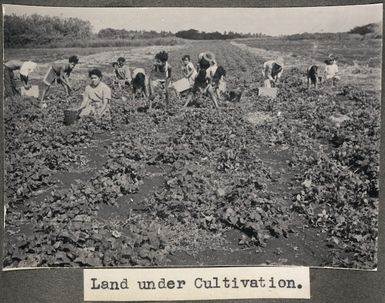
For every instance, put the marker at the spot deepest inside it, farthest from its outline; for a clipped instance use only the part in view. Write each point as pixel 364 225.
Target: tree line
pixel 194 34
pixel 374 29
pixel 45 31
pixel 111 33
pixel 37 30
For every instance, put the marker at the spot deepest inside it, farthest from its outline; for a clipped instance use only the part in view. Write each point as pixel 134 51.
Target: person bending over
pixel 312 76
pixel 204 80
pixel 59 72
pixel 272 71
pixel 122 73
pixel 139 83
pixel 24 68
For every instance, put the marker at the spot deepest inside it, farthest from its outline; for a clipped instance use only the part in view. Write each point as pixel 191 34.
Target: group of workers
pixel 206 78
pixel 272 71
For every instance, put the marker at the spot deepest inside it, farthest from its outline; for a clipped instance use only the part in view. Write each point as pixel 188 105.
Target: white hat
pixel 209 56
pixel 279 61
pixel 27 68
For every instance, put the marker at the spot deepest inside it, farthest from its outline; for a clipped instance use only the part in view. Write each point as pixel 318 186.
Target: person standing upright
pixel 160 76
pixel 331 69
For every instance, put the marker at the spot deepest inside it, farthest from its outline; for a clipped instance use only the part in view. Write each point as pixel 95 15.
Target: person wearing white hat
pixel 25 68
pixel 272 71
pixel 203 83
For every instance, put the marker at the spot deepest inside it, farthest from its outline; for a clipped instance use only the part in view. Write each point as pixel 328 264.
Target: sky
pixel 270 21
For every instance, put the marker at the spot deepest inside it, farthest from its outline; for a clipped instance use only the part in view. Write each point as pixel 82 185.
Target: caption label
pixel 196 283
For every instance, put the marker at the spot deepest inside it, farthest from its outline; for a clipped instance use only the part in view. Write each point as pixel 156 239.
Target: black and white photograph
pixel 165 136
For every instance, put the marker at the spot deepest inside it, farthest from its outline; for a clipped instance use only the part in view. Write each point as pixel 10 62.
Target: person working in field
pixel 215 76
pixel 115 80
pixel 204 82
pixel 189 74
pixel 122 73
pixel 272 71
pixel 10 67
pixel 96 98
pixel 139 83
pixel 188 69
pixel 160 76
pixel 331 70
pixel 59 72
pixel 312 76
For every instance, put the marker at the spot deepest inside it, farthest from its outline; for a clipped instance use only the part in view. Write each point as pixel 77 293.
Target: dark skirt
pixel 10 89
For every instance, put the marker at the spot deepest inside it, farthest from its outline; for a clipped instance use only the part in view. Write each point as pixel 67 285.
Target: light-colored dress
pixel 331 71
pixel 123 73
pixel 187 69
pixel 268 72
pixel 95 98
pixel 220 84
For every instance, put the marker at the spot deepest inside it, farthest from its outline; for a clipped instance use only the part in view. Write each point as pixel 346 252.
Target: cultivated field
pixel 363 51
pixel 287 181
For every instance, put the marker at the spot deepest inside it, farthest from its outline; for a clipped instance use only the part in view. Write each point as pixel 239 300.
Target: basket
pixel 235 95
pixel 70 116
pixel 32 92
pixel 181 85
pixel 268 92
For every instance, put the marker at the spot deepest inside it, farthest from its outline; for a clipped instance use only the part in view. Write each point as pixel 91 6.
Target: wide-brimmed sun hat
pixel 209 56
pixel 27 68
pixel 279 61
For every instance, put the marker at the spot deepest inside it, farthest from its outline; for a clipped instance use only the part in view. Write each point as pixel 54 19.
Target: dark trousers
pixel 10 89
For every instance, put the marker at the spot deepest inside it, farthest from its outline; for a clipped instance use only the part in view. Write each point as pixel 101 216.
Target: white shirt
pixel 189 68
pixel 27 68
pixel 331 70
pixel 98 94
pixel 268 68
pixel 211 71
